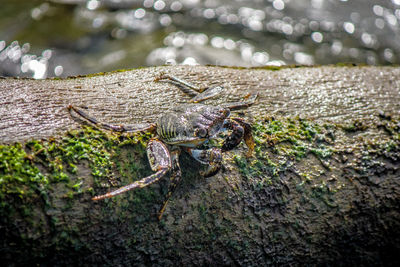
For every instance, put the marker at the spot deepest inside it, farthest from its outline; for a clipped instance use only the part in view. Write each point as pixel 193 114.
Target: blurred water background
pixel 60 38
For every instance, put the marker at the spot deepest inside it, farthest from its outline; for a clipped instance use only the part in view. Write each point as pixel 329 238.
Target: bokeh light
pixel 62 37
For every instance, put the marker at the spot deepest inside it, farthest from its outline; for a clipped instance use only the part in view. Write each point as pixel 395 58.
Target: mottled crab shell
pixel 191 124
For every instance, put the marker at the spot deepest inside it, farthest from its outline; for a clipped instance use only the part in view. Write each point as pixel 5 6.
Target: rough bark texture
pixel 321 188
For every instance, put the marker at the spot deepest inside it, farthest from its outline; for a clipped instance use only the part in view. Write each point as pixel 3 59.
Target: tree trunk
pixel 322 186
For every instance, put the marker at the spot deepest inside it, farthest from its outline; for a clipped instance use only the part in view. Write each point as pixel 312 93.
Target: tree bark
pixel 322 186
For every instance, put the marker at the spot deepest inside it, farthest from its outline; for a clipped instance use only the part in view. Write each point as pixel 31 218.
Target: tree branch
pixel 321 188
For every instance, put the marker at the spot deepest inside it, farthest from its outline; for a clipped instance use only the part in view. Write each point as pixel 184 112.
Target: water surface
pixel 69 37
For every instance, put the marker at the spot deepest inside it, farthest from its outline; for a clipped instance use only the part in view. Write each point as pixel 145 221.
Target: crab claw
pixel 160 162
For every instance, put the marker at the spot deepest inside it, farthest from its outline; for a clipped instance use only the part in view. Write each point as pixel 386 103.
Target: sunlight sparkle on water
pixel 159 5
pixel 278 4
pixel 176 6
pixel 58 70
pixel 93 4
pixel 38 67
pixel 349 27
pixel 317 37
pixel 139 13
pixel 396 2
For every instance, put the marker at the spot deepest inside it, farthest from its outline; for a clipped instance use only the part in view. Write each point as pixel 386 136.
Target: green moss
pixel 60 157
pixel 27 171
pixel 46 183
pixel 303 155
pixel 354 127
pixel 18 176
pixel 288 139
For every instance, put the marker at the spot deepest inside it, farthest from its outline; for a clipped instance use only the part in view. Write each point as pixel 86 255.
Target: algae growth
pixel 30 168
pixel 300 177
pixel 280 143
pixel 42 181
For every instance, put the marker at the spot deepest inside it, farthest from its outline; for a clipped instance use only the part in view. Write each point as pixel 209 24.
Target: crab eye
pixel 201 132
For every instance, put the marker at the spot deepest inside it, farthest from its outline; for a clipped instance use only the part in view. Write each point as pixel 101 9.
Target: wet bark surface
pixel 37 108
pixel 322 188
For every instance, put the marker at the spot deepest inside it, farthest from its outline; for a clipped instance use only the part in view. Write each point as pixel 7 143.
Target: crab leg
pixel 240 130
pixel 185 86
pixel 212 157
pixel 140 127
pixel 241 104
pixel 248 137
pixel 235 137
pixel 174 180
pixel 206 94
pixel 160 162
pixel 198 94
pixel 138 184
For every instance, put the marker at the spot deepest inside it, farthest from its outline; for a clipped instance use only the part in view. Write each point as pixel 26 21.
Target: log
pixel 322 186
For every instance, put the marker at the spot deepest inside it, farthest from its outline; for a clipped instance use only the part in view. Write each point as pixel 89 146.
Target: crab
pixel 185 128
